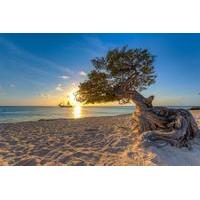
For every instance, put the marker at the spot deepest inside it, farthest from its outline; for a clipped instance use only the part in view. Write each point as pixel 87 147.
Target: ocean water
pixel 34 113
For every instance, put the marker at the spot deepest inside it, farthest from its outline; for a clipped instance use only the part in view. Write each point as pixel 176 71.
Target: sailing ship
pixel 65 105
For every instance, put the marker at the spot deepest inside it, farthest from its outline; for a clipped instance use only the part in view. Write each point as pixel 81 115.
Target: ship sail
pixel 64 105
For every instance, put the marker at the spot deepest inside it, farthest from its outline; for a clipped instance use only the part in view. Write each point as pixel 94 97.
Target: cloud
pixel 31 64
pixel 12 85
pixel 95 43
pixel 59 88
pixel 95 46
pixel 82 73
pixel 2 91
pixel 44 95
pixel 30 56
pixel 64 77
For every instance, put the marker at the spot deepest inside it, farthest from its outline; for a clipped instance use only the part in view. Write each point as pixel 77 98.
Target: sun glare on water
pixel 77 111
pixel 76 105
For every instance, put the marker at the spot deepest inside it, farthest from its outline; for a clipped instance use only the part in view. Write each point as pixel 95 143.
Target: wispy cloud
pixel 28 55
pixel 89 45
pixel 64 77
pixel 59 88
pixel 44 95
pixel 95 46
pixel 12 85
pixel 82 73
pixel 2 91
pixel 32 64
pixel 95 43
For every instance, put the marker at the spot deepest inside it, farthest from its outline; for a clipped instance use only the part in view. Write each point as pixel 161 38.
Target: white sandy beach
pixel 87 141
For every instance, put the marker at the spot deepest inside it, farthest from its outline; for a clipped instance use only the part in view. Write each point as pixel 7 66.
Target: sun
pixel 76 105
pixel 72 99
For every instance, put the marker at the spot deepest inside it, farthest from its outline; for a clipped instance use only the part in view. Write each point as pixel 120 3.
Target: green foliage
pixel 116 75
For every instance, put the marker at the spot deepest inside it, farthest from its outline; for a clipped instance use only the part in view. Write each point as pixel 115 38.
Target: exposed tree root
pixel 161 125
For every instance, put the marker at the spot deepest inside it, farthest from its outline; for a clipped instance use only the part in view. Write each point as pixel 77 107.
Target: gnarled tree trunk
pixel 161 124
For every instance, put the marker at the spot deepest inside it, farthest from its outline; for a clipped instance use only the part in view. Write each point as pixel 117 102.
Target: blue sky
pixel 40 69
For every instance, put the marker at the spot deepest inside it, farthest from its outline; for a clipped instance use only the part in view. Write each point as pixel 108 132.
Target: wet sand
pixel 87 141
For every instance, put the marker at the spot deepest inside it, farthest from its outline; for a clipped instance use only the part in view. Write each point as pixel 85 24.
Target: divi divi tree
pixel 121 75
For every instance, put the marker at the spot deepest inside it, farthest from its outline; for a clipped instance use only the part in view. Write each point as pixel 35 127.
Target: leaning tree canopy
pixel 120 72
pixel 121 75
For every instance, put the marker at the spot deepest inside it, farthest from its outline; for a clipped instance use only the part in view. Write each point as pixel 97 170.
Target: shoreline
pixel 55 119
pixel 35 113
pixel 105 140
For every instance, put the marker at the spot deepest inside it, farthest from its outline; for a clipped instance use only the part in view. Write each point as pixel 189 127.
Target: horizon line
pixel 93 105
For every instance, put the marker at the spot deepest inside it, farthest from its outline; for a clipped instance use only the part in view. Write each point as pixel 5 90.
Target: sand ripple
pixel 88 141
